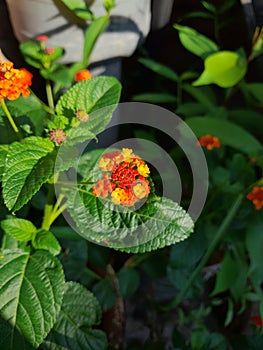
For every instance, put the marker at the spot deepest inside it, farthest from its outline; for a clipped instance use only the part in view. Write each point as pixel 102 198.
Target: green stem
pixel 10 118
pixel 49 95
pixel 48 207
pixel 45 107
pixel 218 236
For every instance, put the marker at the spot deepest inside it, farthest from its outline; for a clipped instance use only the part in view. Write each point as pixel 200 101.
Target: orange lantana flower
pixel 14 82
pixel 124 180
pixel 256 196
pixel 83 74
pixel 209 142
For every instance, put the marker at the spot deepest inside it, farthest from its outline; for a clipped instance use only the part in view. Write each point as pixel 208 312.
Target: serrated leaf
pixel 157 223
pixel 20 179
pixel 9 242
pixel 31 295
pixel 79 312
pixel 46 240
pixel 98 97
pixel 29 165
pixel 224 68
pixel 20 229
pixel 195 42
pixel 159 68
pixel 228 133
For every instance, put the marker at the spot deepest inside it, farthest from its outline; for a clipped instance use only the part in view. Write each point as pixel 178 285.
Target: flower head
pixel 42 38
pixel 209 142
pixel 257 321
pixel 82 116
pixel 49 50
pixel 124 180
pixel 256 196
pixel 14 82
pixel 57 135
pixel 83 74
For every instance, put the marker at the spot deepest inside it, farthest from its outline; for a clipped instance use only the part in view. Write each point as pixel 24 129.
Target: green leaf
pixel 46 240
pixel 157 223
pixel 20 229
pixel 195 42
pixel 202 94
pixel 255 89
pixel 3 154
pixel 227 274
pixel 254 243
pixel 31 295
pixel 200 14
pixel 30 110
pixel 105 293
pixel 68 13
pixel 98 97
pixel 95 29
pixel 228 133
pixel 24 174
pixel 210 7
pixel 9 242
pixel 159 68
pixel 74 258
pixel 224 68
pixel 257 46
pixel 129 280
pixel 152 97
pixel 80 311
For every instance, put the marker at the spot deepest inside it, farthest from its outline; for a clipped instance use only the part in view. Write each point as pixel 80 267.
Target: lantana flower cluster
pixel 256 196
pixel 14 82
pixel 209 142
pixel 124 179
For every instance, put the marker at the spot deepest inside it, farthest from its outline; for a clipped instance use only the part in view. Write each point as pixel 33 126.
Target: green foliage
pixel 229 134
pixel 31 295
pixel 73 329
pixel 196 43
pixel 24 163
pixel 224 68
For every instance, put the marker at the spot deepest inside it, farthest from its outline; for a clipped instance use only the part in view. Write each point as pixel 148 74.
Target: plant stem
pixel 45 107
pixel 49 95
pixel 48 207
pixel 10 118
pixel 218 236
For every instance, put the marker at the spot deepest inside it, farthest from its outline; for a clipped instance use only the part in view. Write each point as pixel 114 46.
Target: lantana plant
pixel 39 147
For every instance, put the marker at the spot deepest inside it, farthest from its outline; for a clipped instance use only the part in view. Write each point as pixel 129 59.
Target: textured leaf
pixel 157 223
pixel 29 165
pixel 31 295
pixel 21 229
pixel 228 133
pixel 223 68
pixel 195 42
pixel 46 240
pixel 79 312
pixel 21 180
pixel 97 96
